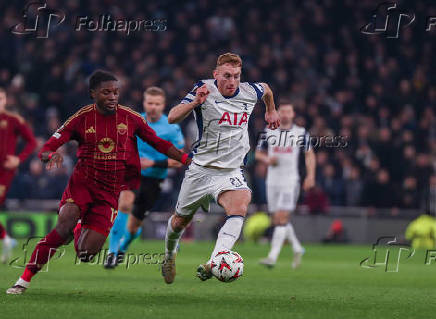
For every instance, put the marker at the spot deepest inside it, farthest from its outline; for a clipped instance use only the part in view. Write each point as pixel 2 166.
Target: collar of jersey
pixel 292 126
pixel 227 97
pixel 144 115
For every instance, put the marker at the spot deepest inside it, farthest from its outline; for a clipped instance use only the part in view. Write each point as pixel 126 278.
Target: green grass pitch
pixel 330 284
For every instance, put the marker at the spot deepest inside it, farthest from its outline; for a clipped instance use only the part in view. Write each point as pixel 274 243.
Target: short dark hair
pixel 2 89
pixel 99 76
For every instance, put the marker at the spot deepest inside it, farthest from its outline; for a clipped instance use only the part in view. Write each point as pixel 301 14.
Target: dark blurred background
pixel 378 93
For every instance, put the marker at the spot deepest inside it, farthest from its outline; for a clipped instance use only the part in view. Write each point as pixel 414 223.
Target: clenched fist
pixel 201 94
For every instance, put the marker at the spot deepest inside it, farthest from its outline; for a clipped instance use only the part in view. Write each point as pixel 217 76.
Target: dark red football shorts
pixel 98 208
pixel 6 177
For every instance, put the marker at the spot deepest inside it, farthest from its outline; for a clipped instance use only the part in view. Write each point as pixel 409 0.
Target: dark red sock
pixel 77 232
pixel 43 251
pixel 2 231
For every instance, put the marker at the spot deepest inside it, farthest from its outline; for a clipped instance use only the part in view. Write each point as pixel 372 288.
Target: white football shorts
pixel 201 185
pixel 283 197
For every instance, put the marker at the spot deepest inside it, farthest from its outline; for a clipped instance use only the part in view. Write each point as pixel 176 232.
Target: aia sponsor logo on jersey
pixel 235 119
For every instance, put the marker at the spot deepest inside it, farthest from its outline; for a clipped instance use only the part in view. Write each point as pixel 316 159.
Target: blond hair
pixel 231 58
pixel 154 90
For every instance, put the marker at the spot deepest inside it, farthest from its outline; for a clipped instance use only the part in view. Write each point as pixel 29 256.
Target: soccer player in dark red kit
pixel 12 126
pixel 108 162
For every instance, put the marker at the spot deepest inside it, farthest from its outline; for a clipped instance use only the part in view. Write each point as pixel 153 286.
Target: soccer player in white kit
pixel 280 150
pixel 222 107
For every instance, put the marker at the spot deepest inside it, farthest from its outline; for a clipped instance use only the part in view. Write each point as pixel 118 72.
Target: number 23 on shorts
pixel 236 181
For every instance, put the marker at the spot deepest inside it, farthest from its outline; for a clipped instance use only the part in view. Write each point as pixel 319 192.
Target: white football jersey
pixel 285 145
pixel 222 123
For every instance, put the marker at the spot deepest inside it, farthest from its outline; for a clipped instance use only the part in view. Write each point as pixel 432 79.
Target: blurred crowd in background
pixel 378 94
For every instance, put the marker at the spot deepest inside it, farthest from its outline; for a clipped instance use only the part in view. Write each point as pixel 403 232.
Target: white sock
pixel 290 235
pixel 228 234
pixel 278 238
pixel 21 282
pixel 171 240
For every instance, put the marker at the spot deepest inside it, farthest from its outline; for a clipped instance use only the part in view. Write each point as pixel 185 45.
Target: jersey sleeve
pixel 147 134
pixel 191 95
pixel 68 131
pixel 26 133
pixel 177 137
pixel 306 141
pixel 258 89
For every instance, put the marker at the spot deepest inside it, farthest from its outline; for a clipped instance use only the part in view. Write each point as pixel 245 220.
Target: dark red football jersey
pixel 13 126
pixel 108 154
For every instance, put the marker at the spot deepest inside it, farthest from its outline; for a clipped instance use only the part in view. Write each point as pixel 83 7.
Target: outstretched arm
pixel 271 115
pixel 166 163
pixel 179 112
pixel 148 135
pixel 178 141
pixel 178 155
pixel 48 153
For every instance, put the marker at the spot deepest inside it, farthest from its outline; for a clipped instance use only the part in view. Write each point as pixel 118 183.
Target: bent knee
pixel 69 214
pixel 87 252
pixel 126 200
pixel 65 229
pixel 239 209
pixel 281 218
pixel 87 255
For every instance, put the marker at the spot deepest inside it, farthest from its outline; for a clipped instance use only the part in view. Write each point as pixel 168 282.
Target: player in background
pixel 222 107
pixel 280 150
pixel 12 126
pixel 108 162
pixel 154 170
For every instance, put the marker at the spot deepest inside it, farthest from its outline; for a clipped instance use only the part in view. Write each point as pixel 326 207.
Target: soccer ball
pixel 227 266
